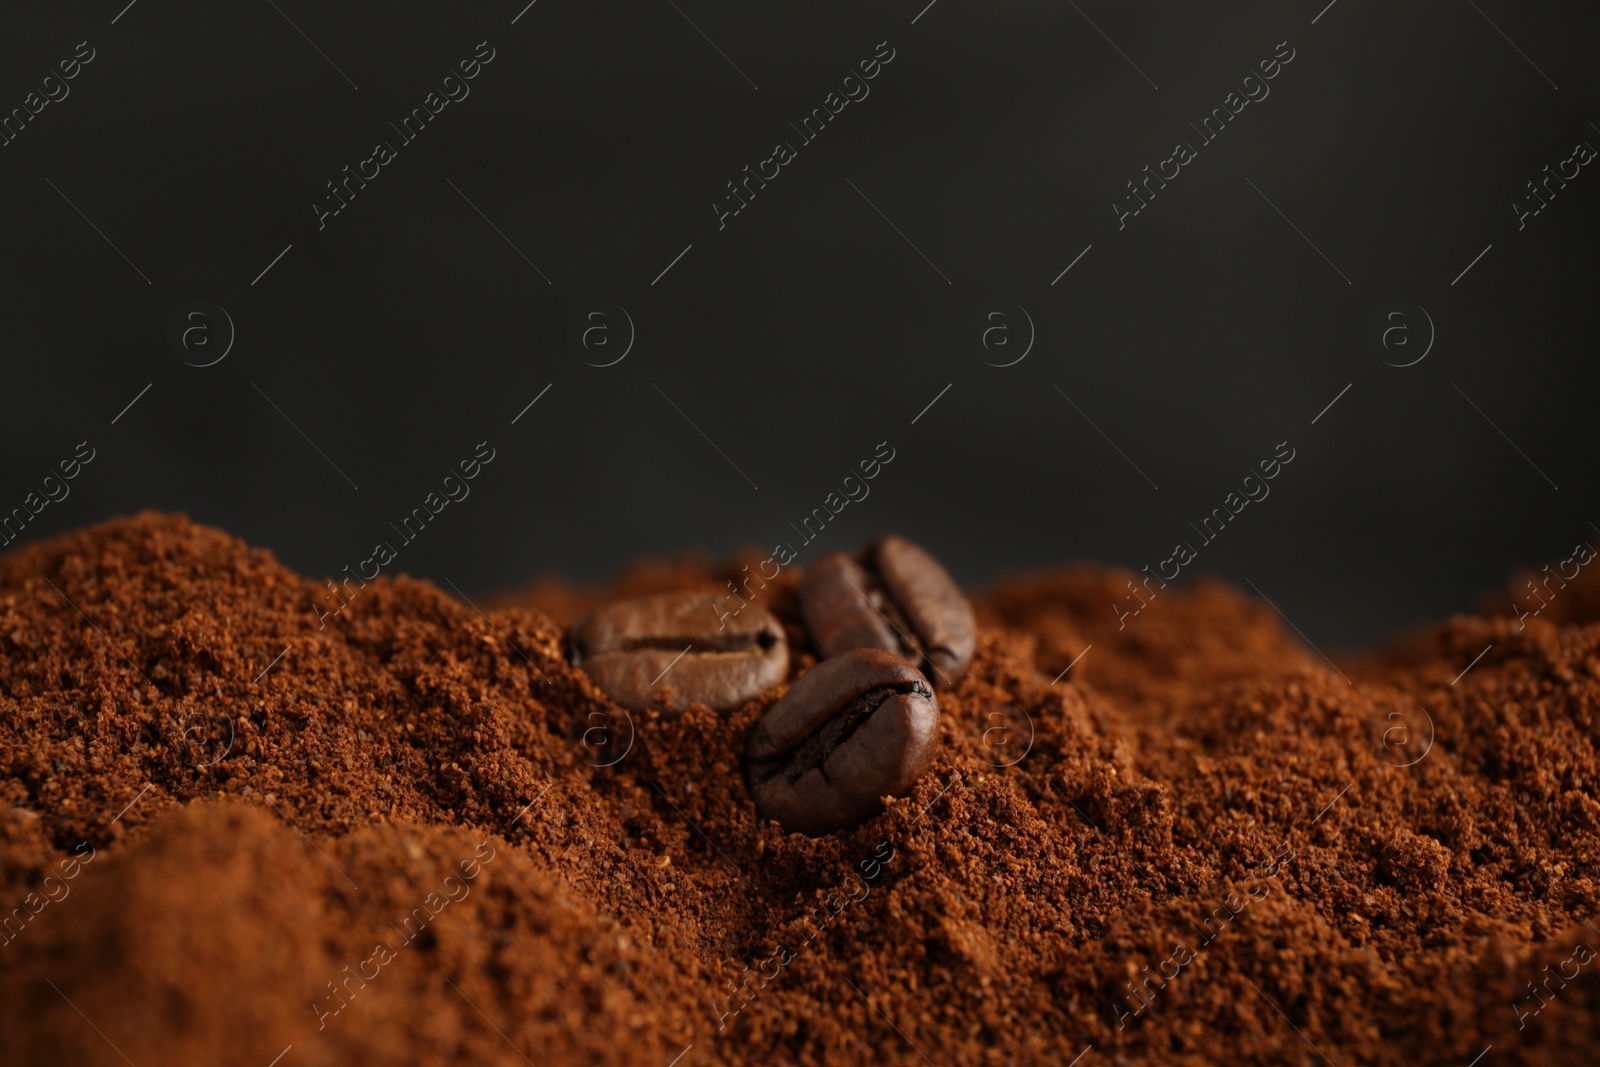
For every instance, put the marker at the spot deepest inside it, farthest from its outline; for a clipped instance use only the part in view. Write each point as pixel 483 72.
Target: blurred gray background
pixel 776 352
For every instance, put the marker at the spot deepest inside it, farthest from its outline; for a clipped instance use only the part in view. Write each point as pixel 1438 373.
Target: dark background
pixel 809 330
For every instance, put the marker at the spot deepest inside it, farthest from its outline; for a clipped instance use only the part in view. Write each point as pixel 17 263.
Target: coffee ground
pixel 394 839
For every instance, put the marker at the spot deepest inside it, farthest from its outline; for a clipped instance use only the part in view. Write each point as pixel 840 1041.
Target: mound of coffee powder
pixel 227 835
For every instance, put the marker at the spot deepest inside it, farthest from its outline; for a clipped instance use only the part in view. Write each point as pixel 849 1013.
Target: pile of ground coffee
pixel 227 835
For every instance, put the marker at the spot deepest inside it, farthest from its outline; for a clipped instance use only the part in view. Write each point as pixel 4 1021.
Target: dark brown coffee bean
pixel 636 648
pixel 895 597
pixel 854 729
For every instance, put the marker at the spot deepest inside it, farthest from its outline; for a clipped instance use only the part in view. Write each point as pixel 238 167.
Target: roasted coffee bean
pixel 628 648
pixel 854 729
pixel 896 597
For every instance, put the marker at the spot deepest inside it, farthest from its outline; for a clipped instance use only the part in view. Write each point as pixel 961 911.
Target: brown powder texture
pixel 385 840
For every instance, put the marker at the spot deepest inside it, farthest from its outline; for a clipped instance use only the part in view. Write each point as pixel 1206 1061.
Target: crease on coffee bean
pixel 914 644
pixel 876 596
pixel 812 750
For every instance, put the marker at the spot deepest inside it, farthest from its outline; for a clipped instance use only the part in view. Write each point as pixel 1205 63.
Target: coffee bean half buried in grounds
pixel 896 597
pixel 852 730
pixel 628 648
